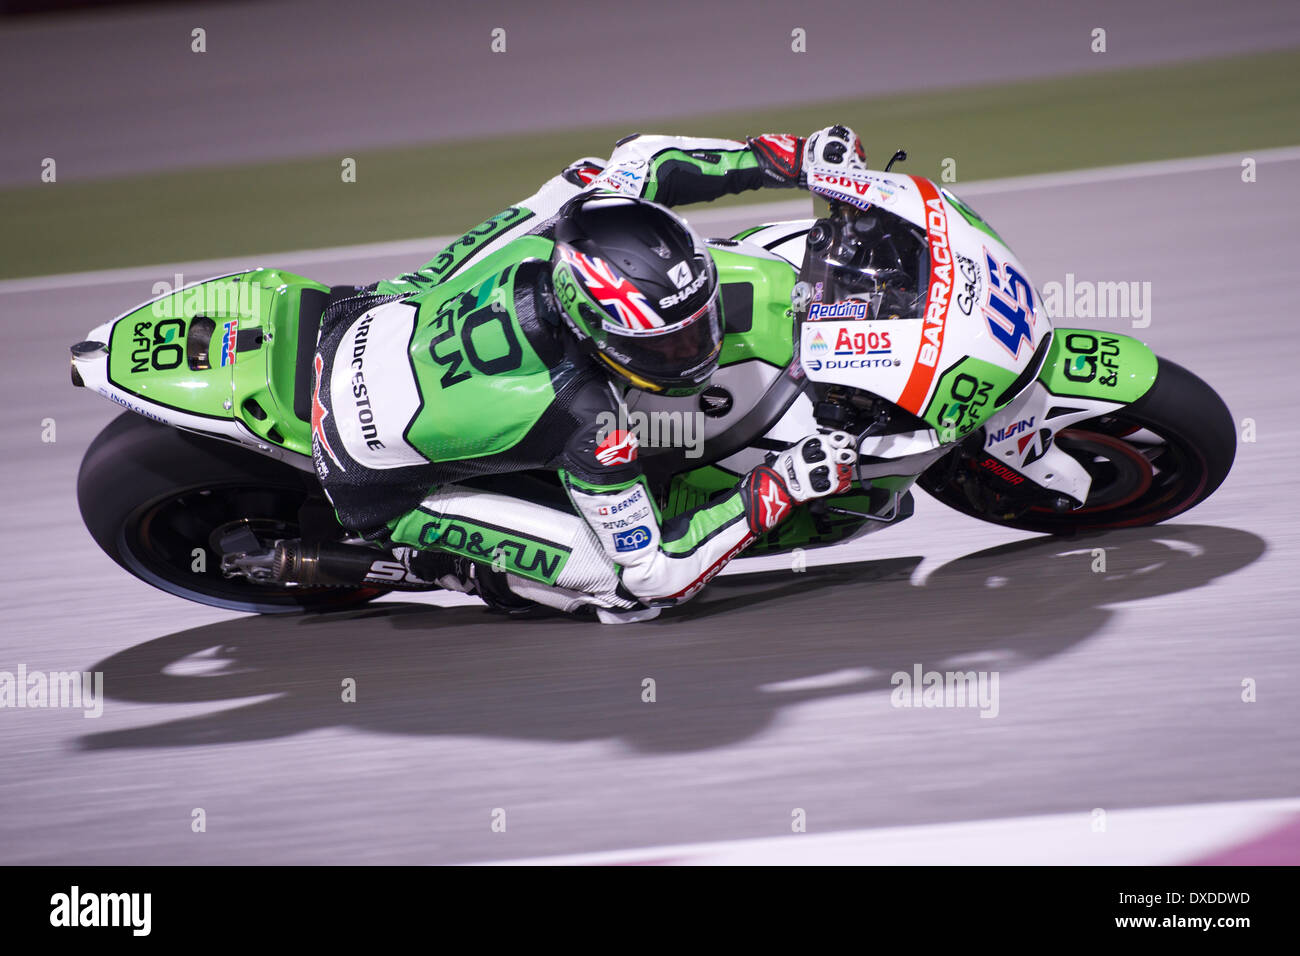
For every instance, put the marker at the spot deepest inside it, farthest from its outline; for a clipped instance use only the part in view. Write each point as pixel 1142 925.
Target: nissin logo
pixel 1002 434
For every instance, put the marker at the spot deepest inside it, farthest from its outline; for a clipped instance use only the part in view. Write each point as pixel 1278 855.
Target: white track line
pixel 763 212
pixel 417 249
pixel 1104 174
pixel 1148 836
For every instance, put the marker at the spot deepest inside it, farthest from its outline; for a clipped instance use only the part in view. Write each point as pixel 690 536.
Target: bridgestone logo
pixel 372 387
pixel 365 415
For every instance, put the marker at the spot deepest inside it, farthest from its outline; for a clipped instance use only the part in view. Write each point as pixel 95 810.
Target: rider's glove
pixel 780 157
pixel 814 467
pixel 789 160
pixel 584 171
pixel 835 149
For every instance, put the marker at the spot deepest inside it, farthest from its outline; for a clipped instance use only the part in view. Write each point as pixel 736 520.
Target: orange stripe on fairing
pixel 936 299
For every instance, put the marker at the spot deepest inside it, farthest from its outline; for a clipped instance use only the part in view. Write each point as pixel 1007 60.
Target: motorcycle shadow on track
pixel 723 666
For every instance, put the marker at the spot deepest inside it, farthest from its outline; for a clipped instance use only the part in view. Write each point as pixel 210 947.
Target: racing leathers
pixel 437 392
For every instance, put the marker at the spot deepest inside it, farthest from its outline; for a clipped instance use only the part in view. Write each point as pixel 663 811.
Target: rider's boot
pixel 511 594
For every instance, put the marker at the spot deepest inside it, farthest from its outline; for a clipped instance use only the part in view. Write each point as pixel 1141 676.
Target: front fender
pixel 1089 363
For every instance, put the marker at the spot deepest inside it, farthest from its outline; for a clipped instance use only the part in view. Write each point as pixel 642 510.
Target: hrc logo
pixel 229 340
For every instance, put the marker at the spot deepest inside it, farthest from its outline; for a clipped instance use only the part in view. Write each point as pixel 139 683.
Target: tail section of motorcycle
pixel 230 356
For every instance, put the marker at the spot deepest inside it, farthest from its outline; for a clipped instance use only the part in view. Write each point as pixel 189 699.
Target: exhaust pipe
pixel 293 562
pixel 315 565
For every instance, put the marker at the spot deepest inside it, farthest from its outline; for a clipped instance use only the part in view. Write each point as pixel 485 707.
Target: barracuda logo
pixel 940 282
pixel 937 298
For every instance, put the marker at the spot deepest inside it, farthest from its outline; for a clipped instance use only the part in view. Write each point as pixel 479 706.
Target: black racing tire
pixel 1135 483
pixel 150 494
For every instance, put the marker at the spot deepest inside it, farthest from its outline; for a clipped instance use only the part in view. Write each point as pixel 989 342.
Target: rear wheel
pixel 1149 461
pixel 158 501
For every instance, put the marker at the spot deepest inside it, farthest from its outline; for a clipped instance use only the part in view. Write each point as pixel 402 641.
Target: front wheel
pixel 1149 461
pixel 158 500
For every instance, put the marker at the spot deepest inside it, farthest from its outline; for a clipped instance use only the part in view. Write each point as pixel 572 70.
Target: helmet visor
pixel 675 360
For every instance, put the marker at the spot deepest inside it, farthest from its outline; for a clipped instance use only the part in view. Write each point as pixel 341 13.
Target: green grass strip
pixel 1097 119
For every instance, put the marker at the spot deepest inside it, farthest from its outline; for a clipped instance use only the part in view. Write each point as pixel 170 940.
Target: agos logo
pixel 843 182
pixel 862 343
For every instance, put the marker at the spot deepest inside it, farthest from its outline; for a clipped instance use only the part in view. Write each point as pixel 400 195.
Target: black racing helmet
pixel 640 290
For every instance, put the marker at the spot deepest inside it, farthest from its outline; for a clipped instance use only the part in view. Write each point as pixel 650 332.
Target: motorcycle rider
pixel 499 357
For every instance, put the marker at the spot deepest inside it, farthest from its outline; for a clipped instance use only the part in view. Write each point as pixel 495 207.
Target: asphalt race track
pixel 1118 689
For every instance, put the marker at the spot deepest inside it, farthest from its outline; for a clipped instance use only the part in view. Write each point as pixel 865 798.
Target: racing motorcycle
pixel 973 396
